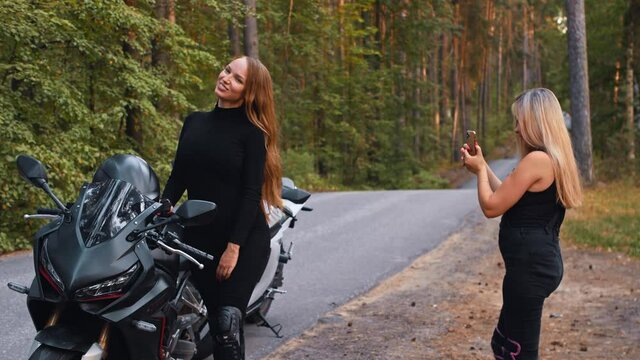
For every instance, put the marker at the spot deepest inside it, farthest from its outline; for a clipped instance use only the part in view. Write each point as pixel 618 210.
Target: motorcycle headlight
pixel 47 270
pixel 108 289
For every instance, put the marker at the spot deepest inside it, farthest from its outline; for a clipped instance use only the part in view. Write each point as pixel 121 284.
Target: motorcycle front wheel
pixel 50 353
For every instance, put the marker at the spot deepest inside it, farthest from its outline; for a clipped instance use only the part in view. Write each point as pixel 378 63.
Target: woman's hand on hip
pixel 473 163
pixel 228 261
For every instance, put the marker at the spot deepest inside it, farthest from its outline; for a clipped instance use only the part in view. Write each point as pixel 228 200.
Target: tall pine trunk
pixel 133 117
pixel 160 58
pixel 630 124
pixel 444 88
pixel 455 89
pixel 234 40
pixel 579 89
pixel 251 30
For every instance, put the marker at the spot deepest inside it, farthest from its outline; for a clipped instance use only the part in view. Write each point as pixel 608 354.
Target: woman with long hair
pixel 230 156
pixel 532 201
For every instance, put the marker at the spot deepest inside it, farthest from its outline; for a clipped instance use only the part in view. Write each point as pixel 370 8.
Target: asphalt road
pixel 348 244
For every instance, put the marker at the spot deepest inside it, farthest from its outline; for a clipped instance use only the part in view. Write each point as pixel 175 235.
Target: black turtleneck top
pixel 220 158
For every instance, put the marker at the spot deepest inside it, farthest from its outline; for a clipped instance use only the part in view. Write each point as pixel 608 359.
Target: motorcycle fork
pixel 55 316
pixel 103 339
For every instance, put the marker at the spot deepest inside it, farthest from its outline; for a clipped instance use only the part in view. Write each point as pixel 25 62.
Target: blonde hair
pixel 542 127
pixel 260 108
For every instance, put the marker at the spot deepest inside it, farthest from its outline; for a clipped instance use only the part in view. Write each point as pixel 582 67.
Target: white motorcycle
pixel 272 279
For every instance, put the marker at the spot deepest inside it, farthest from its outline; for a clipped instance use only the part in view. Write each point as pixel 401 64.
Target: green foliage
pixel 358 84
pixel 428 180
pixel 609 219
pixel 606 45
pixel 70 72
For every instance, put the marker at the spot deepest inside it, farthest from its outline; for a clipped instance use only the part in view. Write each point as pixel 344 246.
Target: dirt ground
pixel 446 304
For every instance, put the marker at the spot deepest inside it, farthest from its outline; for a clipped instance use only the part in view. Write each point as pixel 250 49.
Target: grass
pixel 609 219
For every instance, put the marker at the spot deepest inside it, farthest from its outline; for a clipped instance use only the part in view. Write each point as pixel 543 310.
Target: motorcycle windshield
pixel 107 207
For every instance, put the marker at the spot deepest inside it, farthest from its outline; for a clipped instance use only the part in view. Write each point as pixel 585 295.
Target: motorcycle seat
pixel 296 196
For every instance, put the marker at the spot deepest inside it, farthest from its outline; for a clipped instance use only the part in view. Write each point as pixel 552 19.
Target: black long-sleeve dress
pixel 220 158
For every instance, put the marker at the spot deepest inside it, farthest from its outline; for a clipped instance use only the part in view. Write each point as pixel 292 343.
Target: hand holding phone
pixel 471 142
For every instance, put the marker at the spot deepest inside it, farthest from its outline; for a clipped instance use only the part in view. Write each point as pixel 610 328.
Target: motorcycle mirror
pixel 32 170
pixel 196 212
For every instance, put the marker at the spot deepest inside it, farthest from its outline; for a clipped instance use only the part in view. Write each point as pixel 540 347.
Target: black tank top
pixel 536 209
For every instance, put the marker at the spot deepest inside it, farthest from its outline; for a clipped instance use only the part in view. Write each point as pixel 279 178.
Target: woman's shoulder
pixel 536 158
pixel 538 165
pixel 194 118
pixel 196 115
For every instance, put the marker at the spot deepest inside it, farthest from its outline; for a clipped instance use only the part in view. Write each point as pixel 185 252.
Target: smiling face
pixel 231 83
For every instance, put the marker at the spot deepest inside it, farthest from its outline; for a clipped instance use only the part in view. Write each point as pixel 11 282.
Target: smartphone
pixel 471 141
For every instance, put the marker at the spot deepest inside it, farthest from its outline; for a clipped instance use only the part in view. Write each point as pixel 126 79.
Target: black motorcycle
pixel 112 276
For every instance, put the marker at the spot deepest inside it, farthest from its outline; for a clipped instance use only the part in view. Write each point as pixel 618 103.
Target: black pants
pixel 236 290
pixel 534 270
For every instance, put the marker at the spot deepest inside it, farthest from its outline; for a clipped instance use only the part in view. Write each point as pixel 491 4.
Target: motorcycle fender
pixel 65 337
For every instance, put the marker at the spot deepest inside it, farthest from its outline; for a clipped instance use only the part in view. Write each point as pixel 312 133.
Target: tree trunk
pixel 286 48
pixel 171 11
pixel 579 89
pixel 133 125
pixel 434 70
pixel 508 71
pixel 234 39
pixel 444 88
pixel 628 101
pixel 499 75
pixel 455 89
pixel 488 64
pixel 616 85
pixel 528 47
pixel 341 53
pixel 160 58
pixel 463 78
pixel 251 30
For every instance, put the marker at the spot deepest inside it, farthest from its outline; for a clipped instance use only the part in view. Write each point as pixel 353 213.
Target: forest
pixel 371 94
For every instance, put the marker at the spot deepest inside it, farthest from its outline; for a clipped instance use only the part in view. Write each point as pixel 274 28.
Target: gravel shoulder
pixel 446 303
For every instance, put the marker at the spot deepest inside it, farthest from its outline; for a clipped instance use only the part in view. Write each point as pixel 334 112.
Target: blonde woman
pixel 532 201
pixel 230 156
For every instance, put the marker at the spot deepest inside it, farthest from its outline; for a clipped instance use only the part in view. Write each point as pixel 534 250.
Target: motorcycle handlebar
pixel 47 211
pixel 179 252
pixel 181 248
pixel 196 253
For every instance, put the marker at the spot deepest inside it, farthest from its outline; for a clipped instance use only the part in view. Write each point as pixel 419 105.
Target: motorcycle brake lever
pixel 181 253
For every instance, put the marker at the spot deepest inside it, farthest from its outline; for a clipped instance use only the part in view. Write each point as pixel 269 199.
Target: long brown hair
pixel 542 127
pixel 260 108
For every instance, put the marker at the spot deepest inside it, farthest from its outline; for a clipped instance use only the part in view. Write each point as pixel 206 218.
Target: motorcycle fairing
pixel 78 265
pixel 82 266
pixel 107 207
pixel 66 337
pixel 35 290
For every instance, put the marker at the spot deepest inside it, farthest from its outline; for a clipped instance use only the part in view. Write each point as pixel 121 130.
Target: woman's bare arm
pixel 494 181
